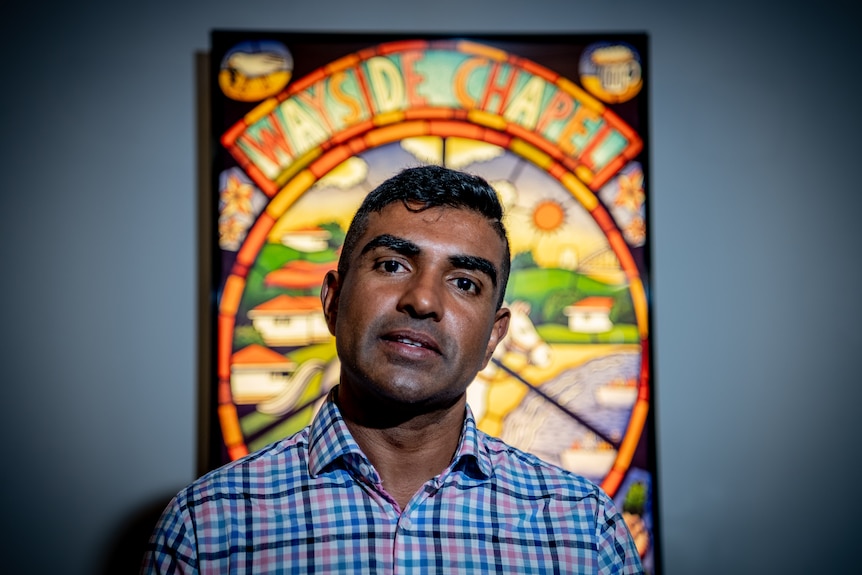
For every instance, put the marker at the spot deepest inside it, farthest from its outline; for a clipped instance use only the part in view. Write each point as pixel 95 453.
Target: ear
pixel 498 332
pixel 329 293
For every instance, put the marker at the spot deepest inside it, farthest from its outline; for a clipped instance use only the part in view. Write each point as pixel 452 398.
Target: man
pixel 392 475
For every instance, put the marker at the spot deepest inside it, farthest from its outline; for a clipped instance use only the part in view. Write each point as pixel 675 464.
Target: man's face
pixel 415 317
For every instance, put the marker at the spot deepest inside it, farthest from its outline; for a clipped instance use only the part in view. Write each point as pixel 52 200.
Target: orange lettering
pixel 462 77
pixel 315 98
pixel 267 139
pixel 558 108
pixel 575 127
pixel 493 89
pixel 340 95
pixel 411 78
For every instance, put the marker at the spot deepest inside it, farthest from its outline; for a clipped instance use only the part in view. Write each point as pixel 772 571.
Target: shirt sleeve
pixel 172 547
pixel 617 552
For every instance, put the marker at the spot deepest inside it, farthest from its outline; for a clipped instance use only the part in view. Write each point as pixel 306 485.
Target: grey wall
pixel 755 206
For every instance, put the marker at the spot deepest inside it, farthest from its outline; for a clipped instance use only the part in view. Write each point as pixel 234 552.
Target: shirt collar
pixel 472 456
pixel 330 442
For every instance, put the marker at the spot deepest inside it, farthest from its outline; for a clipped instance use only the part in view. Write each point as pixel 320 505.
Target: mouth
pixel 413 340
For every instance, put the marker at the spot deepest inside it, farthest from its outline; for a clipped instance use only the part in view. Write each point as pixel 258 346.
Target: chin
pixel 419 398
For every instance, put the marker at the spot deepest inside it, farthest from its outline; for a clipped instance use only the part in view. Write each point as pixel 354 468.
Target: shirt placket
pixel 388 523
pixel 414 553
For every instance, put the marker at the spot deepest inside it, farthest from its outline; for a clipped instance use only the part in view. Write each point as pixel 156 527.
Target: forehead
pixel 455 231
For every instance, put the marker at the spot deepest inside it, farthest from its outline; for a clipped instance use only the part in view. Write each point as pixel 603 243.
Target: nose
pixel 421 298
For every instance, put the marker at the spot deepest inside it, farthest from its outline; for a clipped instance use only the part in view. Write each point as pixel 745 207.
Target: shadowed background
pixel 754 201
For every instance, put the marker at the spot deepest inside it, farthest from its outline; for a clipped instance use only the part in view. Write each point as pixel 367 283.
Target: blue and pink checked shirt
pixel 313 503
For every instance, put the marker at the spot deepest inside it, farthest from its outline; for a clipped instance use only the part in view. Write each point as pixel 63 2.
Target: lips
pixel 412 339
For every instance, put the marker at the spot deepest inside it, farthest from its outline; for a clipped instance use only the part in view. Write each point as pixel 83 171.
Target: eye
pixel 466 285
pixel 389 266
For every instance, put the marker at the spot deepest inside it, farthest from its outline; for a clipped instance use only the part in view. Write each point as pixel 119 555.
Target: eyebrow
pixel 394 243
pixel 475 263
pixel 407 248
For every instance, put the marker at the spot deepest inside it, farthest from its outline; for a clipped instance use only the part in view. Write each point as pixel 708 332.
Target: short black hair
pixel 431 186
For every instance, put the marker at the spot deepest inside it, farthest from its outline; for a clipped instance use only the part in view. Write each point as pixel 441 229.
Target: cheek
pixel 357 317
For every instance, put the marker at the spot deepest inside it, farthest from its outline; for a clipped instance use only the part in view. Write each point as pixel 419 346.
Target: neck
pixel 407 449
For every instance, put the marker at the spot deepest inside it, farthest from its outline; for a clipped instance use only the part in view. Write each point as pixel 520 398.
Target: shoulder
pixel 573 507
pixel 263 473
pixel 195 522
pixel 522 470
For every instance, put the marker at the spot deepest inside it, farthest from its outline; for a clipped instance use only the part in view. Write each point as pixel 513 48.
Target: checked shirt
pixel 313 503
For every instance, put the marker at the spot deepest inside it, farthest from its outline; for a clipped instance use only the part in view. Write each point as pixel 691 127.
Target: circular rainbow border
pixel 427 121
